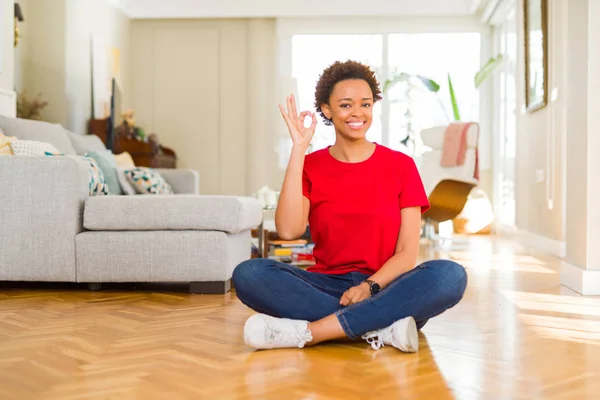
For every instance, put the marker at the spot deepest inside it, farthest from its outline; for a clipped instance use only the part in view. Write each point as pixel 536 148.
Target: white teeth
pixel 355 123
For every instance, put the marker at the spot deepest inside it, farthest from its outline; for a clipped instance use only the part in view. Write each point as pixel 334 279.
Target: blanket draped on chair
pixel 454 149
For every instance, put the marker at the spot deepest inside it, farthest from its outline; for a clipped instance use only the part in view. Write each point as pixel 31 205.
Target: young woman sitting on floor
pixel 363 202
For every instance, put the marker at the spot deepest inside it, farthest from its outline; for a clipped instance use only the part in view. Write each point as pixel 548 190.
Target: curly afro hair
pixel 341 71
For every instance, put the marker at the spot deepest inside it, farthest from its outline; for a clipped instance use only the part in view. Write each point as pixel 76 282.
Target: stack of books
pixel 293 252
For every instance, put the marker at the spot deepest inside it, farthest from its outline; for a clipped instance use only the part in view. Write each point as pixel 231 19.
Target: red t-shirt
pixel 355 208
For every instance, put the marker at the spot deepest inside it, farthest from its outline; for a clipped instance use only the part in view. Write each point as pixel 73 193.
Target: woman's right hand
pixel 301 136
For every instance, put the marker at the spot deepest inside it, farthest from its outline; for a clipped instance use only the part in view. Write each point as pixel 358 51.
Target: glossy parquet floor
pixel 516 335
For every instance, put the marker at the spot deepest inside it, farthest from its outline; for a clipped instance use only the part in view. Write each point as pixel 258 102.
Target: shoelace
pixel 291 336
pixel 375 339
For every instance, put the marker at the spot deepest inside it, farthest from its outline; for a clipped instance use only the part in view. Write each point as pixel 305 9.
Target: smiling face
pixel 350 108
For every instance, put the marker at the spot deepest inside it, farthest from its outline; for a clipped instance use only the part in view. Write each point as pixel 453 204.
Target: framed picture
pixel 536 54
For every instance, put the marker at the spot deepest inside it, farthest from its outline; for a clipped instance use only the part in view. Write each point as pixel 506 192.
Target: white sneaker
pixel 265 332
pixel 402 334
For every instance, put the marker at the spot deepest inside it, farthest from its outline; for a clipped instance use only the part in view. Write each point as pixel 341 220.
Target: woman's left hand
pixel 356 294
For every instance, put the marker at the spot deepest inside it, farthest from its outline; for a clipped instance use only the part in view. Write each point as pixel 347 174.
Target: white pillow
pixel 32 148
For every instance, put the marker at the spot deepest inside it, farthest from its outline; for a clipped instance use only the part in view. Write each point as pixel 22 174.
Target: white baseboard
pixel 555 247
pixel 585 282
pixel 8 103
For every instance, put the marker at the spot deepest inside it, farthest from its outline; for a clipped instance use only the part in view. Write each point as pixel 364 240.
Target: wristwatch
pixel 375 288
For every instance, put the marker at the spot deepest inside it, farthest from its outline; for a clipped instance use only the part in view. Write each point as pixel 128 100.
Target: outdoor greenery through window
pixel 408 106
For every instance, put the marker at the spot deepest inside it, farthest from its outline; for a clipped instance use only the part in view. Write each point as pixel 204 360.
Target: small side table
pixel 266 226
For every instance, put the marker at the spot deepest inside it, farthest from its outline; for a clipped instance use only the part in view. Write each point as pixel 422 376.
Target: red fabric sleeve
pixel 412 192
pixel 306 185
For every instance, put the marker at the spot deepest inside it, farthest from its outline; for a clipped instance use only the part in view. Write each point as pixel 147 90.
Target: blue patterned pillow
pixel 108 166
pixel 98 186
pixel 147 181
pixel 96 181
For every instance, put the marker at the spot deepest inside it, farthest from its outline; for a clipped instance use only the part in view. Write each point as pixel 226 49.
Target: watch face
pixel 375 288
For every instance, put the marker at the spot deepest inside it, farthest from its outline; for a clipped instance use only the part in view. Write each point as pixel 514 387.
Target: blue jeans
pixel 284 291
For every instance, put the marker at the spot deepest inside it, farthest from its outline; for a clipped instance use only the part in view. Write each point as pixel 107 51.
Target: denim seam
pixel 320 287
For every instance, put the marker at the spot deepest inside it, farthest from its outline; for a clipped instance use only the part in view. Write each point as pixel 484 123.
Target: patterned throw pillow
pixel 31 148
pixel 98 186
pixel 108 166
pixel 5 149
pixel 147 181
pixel 96 182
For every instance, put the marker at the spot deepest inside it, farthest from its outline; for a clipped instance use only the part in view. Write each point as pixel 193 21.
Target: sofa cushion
pixel 147 181
pixel 32 148
pixel 107 164
pixel 98 186
pixel 5 149
pixel 124 160
pixel 172 212
pixel 40 131
pixel 96 182
pixel 159 256
pixel 85 143
pixel 126 186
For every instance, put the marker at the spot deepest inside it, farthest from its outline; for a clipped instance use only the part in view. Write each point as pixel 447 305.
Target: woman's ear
pixel 326 110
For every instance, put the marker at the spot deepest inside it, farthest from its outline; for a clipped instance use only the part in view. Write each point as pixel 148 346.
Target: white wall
pixel 577 130
pixel 581 272
pixel 84 19
pixel 41 56
pixel 593 138
pixel 7 96
pixel 540 205
pixel 54 56
pixel 572 165
pixel 206 87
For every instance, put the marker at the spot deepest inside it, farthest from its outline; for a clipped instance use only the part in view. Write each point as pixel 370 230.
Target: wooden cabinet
pixel 144 154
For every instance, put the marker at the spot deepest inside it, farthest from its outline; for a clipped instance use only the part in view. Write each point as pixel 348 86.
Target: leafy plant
pixel 430 84
pixel 487 69
pixel 453 100
pixel 412 82
pixel 480 77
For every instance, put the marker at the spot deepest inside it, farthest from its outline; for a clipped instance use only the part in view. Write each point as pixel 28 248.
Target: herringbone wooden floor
pixel 516 335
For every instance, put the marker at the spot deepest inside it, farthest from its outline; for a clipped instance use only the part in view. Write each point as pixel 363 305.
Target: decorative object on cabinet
pixel 30 108
pixel 18 18
pixel 144 153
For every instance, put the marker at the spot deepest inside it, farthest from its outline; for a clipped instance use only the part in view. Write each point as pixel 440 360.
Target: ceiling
pixel 294 8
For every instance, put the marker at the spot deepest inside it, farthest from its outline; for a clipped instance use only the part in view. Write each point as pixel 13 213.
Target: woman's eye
pixel 367 105
pixel 345 105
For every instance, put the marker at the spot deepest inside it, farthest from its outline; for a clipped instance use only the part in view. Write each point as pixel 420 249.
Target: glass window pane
pixel 433 55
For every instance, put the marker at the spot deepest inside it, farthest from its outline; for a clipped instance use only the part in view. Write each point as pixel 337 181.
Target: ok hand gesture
pixel 301 136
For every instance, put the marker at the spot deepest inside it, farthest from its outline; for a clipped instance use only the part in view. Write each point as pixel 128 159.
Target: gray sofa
pixel 52 230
